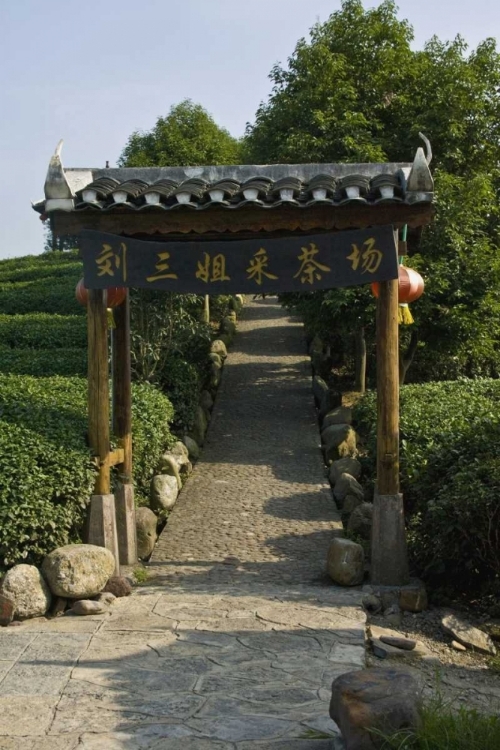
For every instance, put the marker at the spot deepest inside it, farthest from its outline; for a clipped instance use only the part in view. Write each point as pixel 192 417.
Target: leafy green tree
pixel 356 91
pixel 188 135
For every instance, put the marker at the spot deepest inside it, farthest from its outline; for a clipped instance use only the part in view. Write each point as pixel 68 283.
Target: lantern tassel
pixel 111 319
pixel 405 317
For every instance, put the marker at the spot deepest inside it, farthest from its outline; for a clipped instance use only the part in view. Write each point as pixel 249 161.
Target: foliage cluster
pixel 46 471
pixel 450 473
pixel 356 91
pixel 444 727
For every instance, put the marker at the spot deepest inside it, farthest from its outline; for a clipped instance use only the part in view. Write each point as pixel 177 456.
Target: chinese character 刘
pixel 370 257
pixel 257 267
pixel 108 261
pixel 212 269
pixel 310 268
pixel 162 267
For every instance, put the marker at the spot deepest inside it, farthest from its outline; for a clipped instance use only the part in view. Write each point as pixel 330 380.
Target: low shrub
pixel 180 379
pixel 43 362
pixel 450 477
pixel 46 471
pixel 43 331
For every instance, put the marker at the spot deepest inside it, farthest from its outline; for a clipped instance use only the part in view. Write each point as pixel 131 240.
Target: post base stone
pixel 102 525
pixel 389 556
pixel 125 524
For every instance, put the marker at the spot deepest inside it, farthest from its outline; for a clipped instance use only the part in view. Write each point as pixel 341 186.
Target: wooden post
pixel 98 386
pixel 122 428
pixel 389 559
pixel 122 398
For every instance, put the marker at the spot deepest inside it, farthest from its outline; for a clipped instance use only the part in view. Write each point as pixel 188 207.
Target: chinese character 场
pixel 370 257
pixel 310 268
pixel 108 261
pixel 257 267
pixel 162 268
pixel 212 269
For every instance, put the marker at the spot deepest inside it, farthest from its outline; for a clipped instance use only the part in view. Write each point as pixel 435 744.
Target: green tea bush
pixel 46 471
pixel 49 295
pixel 180 379
pixel 152 414
pixel 43 331
pixel 43 362
pixel 450 477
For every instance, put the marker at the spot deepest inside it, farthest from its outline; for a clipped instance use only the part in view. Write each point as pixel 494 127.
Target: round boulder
pixel 219 347
pixel 145 521
pixel 346 562
pixel 347 465
pixel 192 447
pixel 360 521
pixel 163 492
pixel 26 588
pixel 78 571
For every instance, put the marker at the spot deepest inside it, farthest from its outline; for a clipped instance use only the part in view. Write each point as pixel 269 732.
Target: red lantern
pixel 411 285
pixel 115 295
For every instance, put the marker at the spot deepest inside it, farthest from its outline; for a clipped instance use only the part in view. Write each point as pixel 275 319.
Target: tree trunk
pixel 360 360
pixel 407 358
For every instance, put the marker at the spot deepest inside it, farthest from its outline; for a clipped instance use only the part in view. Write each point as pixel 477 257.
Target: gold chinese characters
pixel 257 268
pixel 109 262
pixel 370 257
pixel 310 268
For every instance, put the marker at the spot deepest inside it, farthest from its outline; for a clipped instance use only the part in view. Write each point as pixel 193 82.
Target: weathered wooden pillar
pixel 389 559
pixel 98 386
pixel 122 428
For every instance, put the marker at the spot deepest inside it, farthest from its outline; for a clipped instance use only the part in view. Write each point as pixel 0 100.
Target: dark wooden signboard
pixel 287 264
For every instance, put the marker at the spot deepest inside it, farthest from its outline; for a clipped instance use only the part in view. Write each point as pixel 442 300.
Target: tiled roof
pixel 234 187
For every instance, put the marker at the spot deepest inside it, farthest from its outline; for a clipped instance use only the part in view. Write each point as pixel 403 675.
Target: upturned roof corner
pixel 420 179
pixel 58 193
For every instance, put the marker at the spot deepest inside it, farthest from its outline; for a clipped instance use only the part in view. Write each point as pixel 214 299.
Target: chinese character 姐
pixel 109 261
pixel 212 269
pixel 257 268
pixel 370 257
pixel 310 268
pixel 162 268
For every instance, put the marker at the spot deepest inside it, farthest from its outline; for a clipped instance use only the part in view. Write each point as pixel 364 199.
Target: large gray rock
pixel 88 607
pixel 26 587
pixel 163 492
pixel 199 427
pixel 340 441
pixel 181 454
pixel 349 504
pixel 360 521
pixel 347 485
pixel 168 465
pixel 228 326
pixel 6 610
pixel 331 400
pixel 413 597
pixel 192 446
pixel 146 522
pixel 319 388
pixel 340 415
pixel 219 348
pixel 206 401
pixel 215 359
pixel 346 562
pixel 214 377
pixel 384 700
pixel 347 465
pixel 465 633
pixel 78 570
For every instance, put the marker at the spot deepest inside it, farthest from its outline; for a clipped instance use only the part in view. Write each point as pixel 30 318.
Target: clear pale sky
pixel 92 72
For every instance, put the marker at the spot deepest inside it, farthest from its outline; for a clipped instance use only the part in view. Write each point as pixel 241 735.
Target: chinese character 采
pixel 109 261
pixel 162 268
pixel 257 267
pixel 370 258
pixel 310 268
pixel 212 269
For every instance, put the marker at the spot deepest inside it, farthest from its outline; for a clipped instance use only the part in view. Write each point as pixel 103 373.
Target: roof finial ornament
pixel 428 148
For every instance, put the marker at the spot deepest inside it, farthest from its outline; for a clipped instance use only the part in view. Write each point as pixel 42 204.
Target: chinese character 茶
pixel 310 268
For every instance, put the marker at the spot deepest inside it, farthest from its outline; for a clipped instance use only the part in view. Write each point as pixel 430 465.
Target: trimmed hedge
pixel 43 362
pixel 450 477
pixel 46 471
pixel 43 331
pixel 49 295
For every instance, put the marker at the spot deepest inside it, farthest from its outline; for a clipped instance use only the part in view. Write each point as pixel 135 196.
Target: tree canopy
pixel 187 136
pixel 356 90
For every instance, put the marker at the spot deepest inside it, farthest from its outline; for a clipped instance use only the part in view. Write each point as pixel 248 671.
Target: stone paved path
pixel 215 653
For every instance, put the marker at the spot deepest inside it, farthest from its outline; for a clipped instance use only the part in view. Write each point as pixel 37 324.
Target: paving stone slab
pixel 21 716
